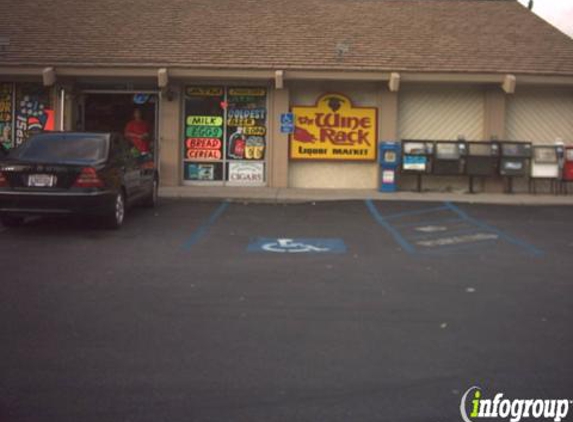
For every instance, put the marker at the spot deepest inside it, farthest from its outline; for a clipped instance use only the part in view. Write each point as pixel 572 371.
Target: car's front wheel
pixel 8 221
pixel 114 220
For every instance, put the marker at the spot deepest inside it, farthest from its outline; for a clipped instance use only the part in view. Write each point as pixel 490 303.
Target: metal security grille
pixel 441 113
pixel 540 117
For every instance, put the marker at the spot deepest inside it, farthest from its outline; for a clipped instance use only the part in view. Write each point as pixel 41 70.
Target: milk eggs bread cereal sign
pixel 334 129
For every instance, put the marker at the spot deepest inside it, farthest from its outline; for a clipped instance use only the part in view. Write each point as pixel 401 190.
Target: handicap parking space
pixel 254 232
pixel 294 229
pixel 445 229
pixel 354 228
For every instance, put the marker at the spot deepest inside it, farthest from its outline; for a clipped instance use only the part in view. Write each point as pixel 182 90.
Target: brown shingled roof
pixel 382 35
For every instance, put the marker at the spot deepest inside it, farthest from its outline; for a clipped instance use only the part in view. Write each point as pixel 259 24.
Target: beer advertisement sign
pixel 334 129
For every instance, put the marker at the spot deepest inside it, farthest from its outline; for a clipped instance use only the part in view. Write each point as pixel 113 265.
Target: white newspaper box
pixel 545 162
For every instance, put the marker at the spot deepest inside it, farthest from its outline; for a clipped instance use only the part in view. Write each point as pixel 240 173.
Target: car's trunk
pixel 40 176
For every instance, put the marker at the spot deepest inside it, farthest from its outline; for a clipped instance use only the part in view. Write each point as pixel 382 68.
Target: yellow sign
pixel 204 91
pixel 334 129
pixel 253 92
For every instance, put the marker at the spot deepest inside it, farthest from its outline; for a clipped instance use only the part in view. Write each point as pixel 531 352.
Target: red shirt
pixel 135 131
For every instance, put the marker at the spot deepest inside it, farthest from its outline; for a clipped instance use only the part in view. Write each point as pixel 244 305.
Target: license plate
pixel 41 180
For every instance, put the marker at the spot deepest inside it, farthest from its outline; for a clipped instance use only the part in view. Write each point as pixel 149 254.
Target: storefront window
pixel 225 135
pixel 34 112
pixel 25 109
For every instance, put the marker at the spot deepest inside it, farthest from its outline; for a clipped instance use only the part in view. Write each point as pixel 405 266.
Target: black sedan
pixel 64 173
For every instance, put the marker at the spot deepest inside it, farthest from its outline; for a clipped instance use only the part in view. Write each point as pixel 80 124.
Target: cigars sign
pixel 334 129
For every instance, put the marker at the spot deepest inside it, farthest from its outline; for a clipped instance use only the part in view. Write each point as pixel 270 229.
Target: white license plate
pixel 41 180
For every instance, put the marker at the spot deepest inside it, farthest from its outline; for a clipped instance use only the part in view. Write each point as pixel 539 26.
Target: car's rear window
pixel 65 149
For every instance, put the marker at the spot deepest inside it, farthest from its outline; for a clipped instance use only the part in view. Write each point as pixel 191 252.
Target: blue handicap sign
pixel 287 119
pixel 297 246
pixel 287 128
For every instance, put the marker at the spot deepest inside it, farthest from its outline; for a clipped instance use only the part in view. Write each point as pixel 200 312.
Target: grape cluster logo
pixel 475 406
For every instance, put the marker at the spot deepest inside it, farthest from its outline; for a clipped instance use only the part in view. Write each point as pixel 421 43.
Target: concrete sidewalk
pixel 274 195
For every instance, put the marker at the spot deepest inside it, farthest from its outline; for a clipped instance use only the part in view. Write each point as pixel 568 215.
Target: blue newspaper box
pixel 389 159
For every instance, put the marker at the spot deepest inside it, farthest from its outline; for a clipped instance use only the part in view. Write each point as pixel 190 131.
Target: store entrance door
pixel 110 111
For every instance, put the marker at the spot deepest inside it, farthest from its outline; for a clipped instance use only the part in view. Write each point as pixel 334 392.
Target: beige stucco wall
pixel 333 174
pixel 277 174
pixel 540 115
pixel 441 112
pixel 170 141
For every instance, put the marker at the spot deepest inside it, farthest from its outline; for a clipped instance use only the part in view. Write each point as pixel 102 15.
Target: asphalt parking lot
pixel 341 311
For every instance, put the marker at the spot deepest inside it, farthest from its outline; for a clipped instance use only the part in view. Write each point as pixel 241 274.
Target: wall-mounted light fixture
pixel 162 78
pixel 394 82
pixel 509 83
pixel 49 76
pixel 279 79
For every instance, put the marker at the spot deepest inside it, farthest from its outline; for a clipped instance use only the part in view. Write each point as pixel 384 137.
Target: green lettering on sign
pixel 204 132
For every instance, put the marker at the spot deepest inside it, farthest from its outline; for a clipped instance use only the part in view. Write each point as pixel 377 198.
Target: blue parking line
pixel 203 228
pixel 395 233
pixel 415 212
pixel 517 242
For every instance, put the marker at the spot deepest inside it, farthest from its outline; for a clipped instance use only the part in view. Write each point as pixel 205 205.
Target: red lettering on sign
pixel 203 154
pixel 344 138
pixel 335 120
pixel 203 143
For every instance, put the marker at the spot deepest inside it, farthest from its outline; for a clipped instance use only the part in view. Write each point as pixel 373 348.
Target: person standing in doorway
pixel 138 132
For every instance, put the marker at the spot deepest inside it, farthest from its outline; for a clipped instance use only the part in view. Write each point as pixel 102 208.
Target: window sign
pixel 246 173
pixel 6 114
pixel 225 126
pixel 204 172
pixel 34 112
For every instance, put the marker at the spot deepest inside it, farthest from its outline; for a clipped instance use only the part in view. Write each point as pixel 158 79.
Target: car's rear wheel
pixel 8 221
pixel 114 220
pixel 151 200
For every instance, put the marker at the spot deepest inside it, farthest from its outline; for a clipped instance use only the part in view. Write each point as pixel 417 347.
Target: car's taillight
pixel 88 178
pixel 3 181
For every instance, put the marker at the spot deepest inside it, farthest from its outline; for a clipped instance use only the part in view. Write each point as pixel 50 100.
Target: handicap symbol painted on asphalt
pixel 286 245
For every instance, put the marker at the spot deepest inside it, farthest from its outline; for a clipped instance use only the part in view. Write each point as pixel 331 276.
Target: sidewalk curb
pixel 294 196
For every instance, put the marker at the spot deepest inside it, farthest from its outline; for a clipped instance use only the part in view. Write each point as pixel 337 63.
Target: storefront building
pixel 353 73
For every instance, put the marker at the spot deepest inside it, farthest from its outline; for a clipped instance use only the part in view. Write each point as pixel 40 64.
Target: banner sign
pixel 334 129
